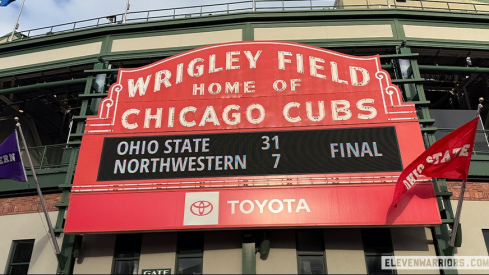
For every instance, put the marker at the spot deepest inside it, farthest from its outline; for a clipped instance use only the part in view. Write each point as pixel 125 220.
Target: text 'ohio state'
pixel 250 153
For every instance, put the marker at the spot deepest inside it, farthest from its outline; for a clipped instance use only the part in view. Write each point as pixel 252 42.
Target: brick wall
pixel 475 191
pixel 28 204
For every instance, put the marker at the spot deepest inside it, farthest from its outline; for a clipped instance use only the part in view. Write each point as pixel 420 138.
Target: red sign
pixel 233 118
pixel 346 205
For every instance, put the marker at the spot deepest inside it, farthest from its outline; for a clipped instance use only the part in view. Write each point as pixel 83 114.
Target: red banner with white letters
pixel 248 118
pixel 447 158
pixel 348 205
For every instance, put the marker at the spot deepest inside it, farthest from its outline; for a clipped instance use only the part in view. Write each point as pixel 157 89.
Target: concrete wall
pixel 473 219
pixel 158 251
pixel 298 31
pixel 446 33
pixel 453 5
pixel 222 252
pixel 177 40
pixel 324 32
pixel 50 55
pixel 344 251
pixel 282 258
pixel 97 252
pixel 413 241
pixel 29 226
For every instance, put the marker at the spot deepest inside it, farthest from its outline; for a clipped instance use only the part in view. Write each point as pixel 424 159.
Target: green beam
pixel 68 249
pixel 248 253
pixel 249 258
pixel 49 179
pixel 66 186
pixel 66 255
pixel 97 95
pixel 408 80
pixel 101 71
pixel 40 86
pixel 453 69
pixel 397 56
pixel 441 235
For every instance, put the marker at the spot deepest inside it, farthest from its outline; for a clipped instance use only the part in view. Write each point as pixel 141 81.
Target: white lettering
pixel 233 206
pixel 252 59
pixel 230 60
pixel 236 116
pixel 354 76
pixel 370 109
pixel 159 80
pixel 337 110
pixel 191 67
pixel 209 116
pixel 274 206
pixel 212 64
pixel 242 209
pixel 314 67
pixel 140 86
pixel 286 114
pixel 124 119
pixel 261 115
pixel 282 60
pixel 182 116
pixel 157 117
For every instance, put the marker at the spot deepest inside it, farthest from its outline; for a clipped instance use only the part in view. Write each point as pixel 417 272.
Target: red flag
pixel 447 158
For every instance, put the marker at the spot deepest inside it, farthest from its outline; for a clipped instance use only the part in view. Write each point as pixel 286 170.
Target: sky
pixel 44 13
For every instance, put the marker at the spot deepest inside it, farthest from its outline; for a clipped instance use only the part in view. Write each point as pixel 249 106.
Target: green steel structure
pixel 53 78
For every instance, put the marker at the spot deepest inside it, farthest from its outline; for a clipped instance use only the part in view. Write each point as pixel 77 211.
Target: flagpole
pixel 125 13
pixel 43 204
pixel 461 196
pixel 16 22
pixel 457 215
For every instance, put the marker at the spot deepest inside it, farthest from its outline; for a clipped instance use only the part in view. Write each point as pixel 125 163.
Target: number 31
pixel 266 142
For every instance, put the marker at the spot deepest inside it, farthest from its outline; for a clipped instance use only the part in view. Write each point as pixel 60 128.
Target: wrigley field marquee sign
pixel 249 134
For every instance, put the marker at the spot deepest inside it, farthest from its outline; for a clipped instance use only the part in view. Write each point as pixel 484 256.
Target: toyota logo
pixel 201 208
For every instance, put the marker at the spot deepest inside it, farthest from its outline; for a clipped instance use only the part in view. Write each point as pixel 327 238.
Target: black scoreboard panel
pixel 322 151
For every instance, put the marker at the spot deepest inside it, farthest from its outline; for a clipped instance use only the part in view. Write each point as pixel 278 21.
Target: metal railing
pixel 44 157
pixel 481 145
pixel 254 6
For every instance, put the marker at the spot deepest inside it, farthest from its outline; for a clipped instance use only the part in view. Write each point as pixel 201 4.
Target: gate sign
pixel 249 134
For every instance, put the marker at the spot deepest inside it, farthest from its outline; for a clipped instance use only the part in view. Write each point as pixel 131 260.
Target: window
pixel 310 252
pixel 20 257
pixel 448 120
pixel 190 248
pixel 126 254
pixel 485 233
pixel 377 243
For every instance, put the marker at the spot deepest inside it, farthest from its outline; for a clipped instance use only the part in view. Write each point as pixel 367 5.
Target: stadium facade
pixel 362 87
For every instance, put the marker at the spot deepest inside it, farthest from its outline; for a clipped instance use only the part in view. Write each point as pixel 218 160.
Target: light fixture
pixel 111 18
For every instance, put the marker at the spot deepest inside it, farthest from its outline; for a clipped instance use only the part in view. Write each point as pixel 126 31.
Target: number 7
pixel 276 160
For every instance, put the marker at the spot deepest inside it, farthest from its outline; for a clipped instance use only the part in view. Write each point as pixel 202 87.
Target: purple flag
pixel 4 3
pixel 11 166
